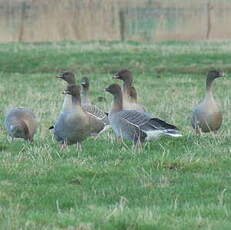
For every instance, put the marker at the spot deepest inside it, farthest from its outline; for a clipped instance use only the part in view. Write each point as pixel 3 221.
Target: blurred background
pixel 114 20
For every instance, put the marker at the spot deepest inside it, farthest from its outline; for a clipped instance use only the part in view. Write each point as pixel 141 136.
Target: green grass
pixel 181 183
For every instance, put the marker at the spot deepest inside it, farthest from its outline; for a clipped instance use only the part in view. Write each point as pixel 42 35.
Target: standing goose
pixel 85 91
pixel 207 116
pixel 74 125
pixel 21 123
pixel 133 95
pixel 69 77
pixel 128 104
pixel 90 108
pixel 133 99
pixel 133 125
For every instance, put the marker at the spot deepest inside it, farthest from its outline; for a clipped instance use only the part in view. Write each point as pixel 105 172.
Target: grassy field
pixel 172 183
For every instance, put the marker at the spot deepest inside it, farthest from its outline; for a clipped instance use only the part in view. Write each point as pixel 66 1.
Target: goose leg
pixel 79 147
pixel 198 131
pixel 63 145
pixel 94 136
pixel 138 145
pixel 30 139
pixel 118 140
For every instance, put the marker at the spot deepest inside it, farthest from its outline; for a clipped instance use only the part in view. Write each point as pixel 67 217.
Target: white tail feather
pixel 153 134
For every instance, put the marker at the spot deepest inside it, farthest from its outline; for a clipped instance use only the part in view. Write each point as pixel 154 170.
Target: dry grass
pixel 87 20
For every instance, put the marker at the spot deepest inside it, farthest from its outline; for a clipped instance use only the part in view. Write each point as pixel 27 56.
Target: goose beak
pixel 116 76
pixel 105 90
pixel 59 76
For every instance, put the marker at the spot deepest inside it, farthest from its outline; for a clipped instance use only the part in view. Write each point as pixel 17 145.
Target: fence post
pixel 21 30
pixel 209 24
pixel 122 25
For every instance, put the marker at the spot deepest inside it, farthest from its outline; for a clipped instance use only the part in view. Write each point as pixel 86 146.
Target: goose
pixel 21 123
pixel 89 107
pixel 133 99
pixel 84 91
pixel 134 125
pixel 207 116
pixel 128 103
pixel 75 124
pixel 69 77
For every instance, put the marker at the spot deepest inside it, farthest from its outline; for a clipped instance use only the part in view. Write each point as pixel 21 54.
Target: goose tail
pixel 153 134
pixel 173 133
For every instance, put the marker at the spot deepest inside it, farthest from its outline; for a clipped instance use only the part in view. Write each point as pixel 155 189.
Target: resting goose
pixel 69 77
pixel 21 123
pixel 207 116
pixel 128 103
pixel 74 125
pixel 90 108
pixel 133 125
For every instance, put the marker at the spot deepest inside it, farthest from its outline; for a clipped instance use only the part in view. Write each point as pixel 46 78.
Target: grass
pixel 171 183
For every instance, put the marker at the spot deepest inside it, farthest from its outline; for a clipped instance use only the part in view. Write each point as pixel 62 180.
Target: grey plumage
pixel 207 116
pixel 87 106
pixel 85 84
pixel 74 125
pixel 128 91
pixel 96 112
pixel 70 128
pixel 21 123
pixel 134 125
pixel 68 77
pixel 137 126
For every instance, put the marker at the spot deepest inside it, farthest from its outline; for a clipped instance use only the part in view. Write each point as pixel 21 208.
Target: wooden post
pixel 21 30
pixel 122 24
pixel 209 24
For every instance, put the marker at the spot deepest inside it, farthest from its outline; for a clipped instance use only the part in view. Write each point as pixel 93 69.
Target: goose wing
pixel 144 121
pixel 144 126
pixel 96 112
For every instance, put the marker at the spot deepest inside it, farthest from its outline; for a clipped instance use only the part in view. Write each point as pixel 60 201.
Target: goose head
pixel 113 89
pixel 69 77
pixel 84 82
pixel 213 74
pixel 124 75
pixel 72 90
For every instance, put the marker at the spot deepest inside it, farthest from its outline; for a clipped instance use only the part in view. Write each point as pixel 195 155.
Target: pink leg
pixel 94 137
pixel 63 146
pixel 79 147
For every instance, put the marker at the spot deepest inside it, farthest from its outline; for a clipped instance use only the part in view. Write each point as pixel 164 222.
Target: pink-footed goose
pixel 128 103
pixel 89 107
pixel 75 124
pixel 92 110
pixel 207 116
pixel 85 84
pixel 133 98
pixel 69 77
pixel 21 123
pixel 133 125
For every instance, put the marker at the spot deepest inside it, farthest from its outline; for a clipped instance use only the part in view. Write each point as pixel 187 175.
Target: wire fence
pixel 114 20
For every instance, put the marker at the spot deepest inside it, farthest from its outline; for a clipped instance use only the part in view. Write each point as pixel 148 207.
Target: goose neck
pixel 118 103
pixel 84 96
